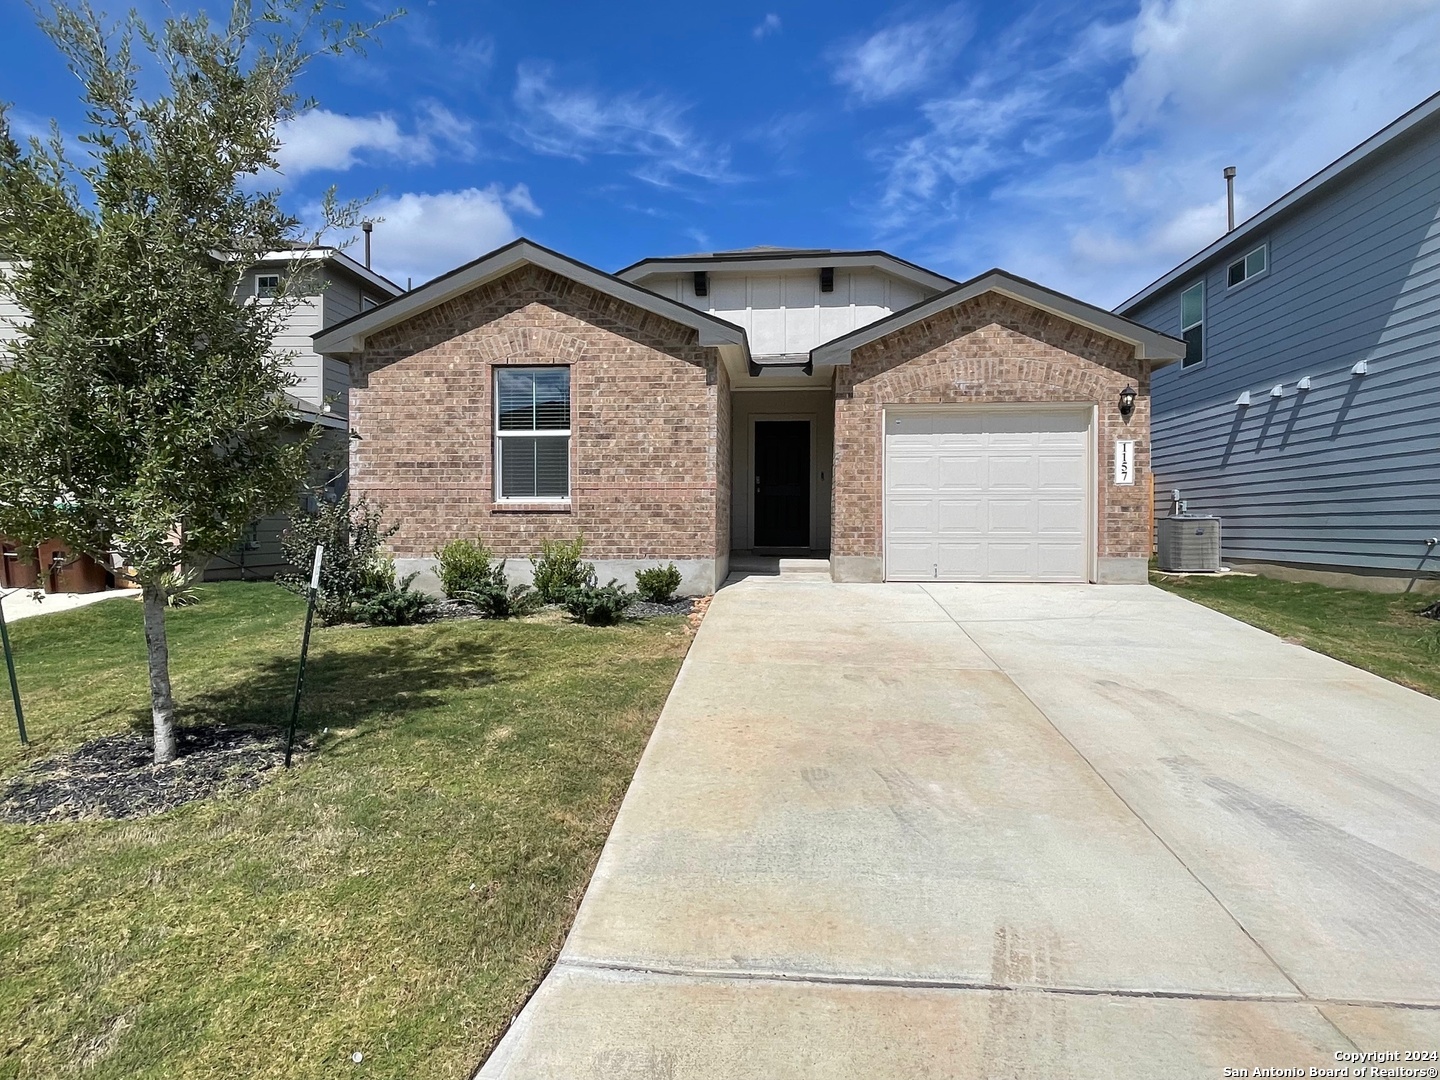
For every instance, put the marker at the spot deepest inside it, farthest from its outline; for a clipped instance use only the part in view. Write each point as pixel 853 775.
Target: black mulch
pixel 115 776
pixel 641 609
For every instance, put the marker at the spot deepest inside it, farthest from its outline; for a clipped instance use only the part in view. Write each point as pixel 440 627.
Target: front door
pixel 782 483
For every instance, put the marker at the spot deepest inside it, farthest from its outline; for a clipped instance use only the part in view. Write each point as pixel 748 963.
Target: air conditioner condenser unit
pixel 1187 544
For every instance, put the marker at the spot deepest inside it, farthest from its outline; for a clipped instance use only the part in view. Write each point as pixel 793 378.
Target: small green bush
pixel 463 567
pixel 559 569
pixel 658 584
pixel 496 598
pixel 354 566
pixel 397 605
pixel 598 605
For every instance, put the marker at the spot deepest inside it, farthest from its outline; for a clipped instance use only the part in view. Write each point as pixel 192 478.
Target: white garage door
pixel 987 495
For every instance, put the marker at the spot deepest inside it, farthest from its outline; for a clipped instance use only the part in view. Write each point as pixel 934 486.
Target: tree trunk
pixel 162 703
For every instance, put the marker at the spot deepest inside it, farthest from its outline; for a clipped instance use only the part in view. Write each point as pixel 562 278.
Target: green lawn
pixel 1380 632
pixel 398 893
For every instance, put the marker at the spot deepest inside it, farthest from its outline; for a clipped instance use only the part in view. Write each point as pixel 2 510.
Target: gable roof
pixel 1149 344
pixel 1415 118
pixel 768 258
pixel 339 258
pixel 349 336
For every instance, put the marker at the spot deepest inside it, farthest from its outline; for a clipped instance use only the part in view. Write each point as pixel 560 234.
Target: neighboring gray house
pixel 337 288
pixel 1306 413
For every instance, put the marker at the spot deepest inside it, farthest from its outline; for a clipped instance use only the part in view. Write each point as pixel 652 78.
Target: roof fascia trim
pixel 1160 349
pixel 349 336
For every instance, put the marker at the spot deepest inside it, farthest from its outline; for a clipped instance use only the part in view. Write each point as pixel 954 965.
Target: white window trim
pixel 1204 296
pixel 528 433
pixel 259 288
pixel 1265 247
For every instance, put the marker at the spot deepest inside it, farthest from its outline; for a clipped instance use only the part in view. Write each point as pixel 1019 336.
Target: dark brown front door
pixel 782 483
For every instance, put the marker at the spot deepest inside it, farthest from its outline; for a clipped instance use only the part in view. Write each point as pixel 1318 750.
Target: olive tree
pixel 143 414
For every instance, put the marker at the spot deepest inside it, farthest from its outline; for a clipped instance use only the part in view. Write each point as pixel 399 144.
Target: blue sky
pixel 1080 144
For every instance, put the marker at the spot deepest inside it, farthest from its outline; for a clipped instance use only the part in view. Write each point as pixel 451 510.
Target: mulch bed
pixel 115 777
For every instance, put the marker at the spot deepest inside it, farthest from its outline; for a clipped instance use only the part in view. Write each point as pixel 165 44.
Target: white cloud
pixel 767 26
pixel 581 123
pixel 904 57
pixel 425 234
pixel 1097 174
pixel 322 140
pixel 1211 61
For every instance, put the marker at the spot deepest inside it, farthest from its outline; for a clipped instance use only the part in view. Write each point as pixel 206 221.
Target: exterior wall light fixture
pixel 1127 402
pixel 1244 399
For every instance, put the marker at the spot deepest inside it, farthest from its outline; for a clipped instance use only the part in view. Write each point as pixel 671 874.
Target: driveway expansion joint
pixel 802 978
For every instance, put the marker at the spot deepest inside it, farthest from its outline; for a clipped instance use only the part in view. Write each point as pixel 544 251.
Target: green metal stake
pixel 304 652
pixel 14 686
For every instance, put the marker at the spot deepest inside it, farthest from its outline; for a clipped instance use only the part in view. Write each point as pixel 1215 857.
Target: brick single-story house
pixel 846 404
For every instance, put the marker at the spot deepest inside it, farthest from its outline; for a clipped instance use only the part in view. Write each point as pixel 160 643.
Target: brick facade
pixel 649 416
pixel 989 350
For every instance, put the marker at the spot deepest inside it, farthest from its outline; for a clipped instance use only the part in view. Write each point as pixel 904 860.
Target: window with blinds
pixel 532 433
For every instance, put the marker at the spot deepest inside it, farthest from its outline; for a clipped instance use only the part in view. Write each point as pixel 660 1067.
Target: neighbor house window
pixel 532 433
pixel 1248 267
pixel 267 284
pixel 1192 324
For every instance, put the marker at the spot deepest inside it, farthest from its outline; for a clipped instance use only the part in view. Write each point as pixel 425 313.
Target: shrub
pixel 658 584
pixel 598 605
pixel 464 566
pixel 355 565
pixel 179 586
pixel 397 605
pixel 559 569
pixel 496 598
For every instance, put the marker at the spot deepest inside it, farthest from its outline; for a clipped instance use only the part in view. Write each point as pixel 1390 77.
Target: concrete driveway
pixel 1004 831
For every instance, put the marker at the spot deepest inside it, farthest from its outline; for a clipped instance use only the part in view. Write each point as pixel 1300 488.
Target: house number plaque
pixel 1124 461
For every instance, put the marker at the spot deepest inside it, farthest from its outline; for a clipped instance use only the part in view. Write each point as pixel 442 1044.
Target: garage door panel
pixel 959 517
pixel 998 495
pixel 912 517
pixel 958 560
pixel 912 472
pixel 1016 472
pixel 1056 562
pixel 962 472
pixel 911 561
pixel 1066 473
pixel 1060 516
pixel 1012 517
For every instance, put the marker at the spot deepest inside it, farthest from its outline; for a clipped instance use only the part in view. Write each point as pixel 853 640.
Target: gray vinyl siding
pixel 1346 474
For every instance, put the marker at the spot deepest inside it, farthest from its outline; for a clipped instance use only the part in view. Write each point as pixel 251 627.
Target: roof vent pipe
pixel 369 227
pixel 1230 198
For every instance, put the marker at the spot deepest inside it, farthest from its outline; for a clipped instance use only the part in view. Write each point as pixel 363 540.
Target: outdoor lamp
pixel 1127 402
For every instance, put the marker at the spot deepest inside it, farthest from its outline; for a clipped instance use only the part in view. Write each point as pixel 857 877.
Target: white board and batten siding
pixel 785 313
pixel 989 494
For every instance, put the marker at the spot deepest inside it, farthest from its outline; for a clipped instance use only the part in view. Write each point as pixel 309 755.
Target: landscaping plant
pixel 559 570
pixel 658 584
pixel 463 566
pixel 395 604
pixel 355 565
pixel 145 410
pixel 598 605
pixel 496 598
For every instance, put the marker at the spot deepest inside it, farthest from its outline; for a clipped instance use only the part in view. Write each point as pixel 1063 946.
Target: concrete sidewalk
pixel 27 603
pixel 1011 831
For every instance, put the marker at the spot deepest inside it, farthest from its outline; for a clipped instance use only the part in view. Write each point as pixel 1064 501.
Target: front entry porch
pixel 782 452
